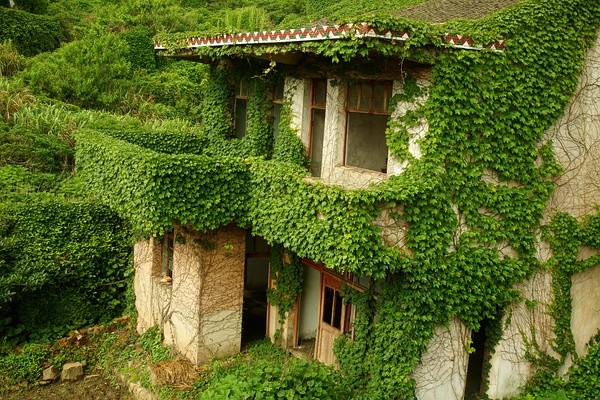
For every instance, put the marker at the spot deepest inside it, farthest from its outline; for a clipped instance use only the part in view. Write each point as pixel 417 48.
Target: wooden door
pixel 332 317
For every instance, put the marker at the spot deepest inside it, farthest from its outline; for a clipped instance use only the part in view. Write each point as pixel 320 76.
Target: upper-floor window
pixel 367 115
pixel 317 125
pixel 240 108
pixel 277 99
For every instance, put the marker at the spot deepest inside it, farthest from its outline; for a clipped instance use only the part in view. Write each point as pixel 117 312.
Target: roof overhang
pixel 322 33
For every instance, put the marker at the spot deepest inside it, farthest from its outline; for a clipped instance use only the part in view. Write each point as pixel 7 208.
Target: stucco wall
pixel 200 311
pixel 585 313
pixel 442 372
pixel 576 141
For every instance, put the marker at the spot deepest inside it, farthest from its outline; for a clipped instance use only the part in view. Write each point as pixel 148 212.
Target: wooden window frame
pixel 242 92
pixel 388 89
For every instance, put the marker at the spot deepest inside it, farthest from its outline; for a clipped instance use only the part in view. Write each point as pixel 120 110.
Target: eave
pixel 324 33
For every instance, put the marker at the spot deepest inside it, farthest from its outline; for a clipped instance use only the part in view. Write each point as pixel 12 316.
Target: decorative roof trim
pixel 320 33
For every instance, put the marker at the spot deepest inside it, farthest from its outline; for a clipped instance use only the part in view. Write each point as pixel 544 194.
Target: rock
pixel 50 374
pixel 72 371
pixel 44 383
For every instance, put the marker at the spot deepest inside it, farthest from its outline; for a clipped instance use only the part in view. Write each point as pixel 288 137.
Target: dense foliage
pixel 469 240
pixel 72 275
pixel 30 33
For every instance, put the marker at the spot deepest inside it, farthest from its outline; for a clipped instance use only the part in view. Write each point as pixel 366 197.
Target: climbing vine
pixel 473 202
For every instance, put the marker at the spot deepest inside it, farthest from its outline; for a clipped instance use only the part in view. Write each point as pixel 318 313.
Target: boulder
pixel 50 374
pixel 72 371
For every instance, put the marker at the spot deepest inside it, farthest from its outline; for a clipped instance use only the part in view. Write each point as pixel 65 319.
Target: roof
pixel 439 11
pixel 433 11
pixel 427 12
pixel 322 33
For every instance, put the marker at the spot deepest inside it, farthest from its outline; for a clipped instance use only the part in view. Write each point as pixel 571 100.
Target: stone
pixel 50 374
pixel 72 371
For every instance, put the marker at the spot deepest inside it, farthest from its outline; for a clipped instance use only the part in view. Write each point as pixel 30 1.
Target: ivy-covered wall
pixel 474 203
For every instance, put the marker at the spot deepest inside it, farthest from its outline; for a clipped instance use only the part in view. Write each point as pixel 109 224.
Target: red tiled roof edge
pixel 323 32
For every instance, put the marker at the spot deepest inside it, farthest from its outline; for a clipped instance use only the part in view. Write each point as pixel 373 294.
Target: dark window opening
pixel 475 370
pixel 333 308
pixel 256 282
pixel 367 115
pixel 240 109
pixel 277 100
pixel 317 125
pixel 167 246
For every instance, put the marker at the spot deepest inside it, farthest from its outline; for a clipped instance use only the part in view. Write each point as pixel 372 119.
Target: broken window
pixel 240 108
pixel 317 125
pixel 367 115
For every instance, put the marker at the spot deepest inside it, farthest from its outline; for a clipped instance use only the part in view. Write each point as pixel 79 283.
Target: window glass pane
pixel 328 305
pixel 244 89
pixel 276 116
pixel 380 97
pixel 337 313
pixel 320 92
pixel 365 142
pixel 366 94
pixel 353 96
pixel 316 143
pixel 278 93
pixel 239 123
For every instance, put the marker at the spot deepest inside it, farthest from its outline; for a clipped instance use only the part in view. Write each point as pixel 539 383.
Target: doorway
pixel 256 281
pixel 332 318
pixel 475 370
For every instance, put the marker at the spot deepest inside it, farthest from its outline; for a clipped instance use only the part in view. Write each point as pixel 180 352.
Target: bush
pixel 10 59
pixel 266 372
pixel 13 97
pixel 32 6
pixel 24 365
pixel 34 151
pixel 31 34
pixel 90 73
pixel 73 275
pixel 141 48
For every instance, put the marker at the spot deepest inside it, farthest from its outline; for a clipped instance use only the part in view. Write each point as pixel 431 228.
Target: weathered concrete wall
pixel 442 372
pixel 151 297
pixel 585 313
pixel 526 321
pixel 282 333
pixel 576 140
pixel 200 311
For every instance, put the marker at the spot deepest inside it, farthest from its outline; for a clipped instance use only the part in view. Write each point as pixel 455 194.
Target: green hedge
pixel 153 189
pixel 71 275
pixel 30 33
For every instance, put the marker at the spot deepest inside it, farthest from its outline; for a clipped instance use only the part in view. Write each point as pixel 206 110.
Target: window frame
pixel 348 109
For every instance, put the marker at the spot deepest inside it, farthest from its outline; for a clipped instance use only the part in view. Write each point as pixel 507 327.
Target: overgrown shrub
pixel 73 274
pixel 24 365
pixel 90 73
pixel 31 34
pixel 16 182
pixel 35 151
pixel 32 6
pixel 13 97
pixel 10 59
pixel 141 48
pixel 267 372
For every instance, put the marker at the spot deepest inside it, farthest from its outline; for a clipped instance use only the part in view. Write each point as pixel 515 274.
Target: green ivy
pixel 31 34
pixel 485 168
pixel 75 274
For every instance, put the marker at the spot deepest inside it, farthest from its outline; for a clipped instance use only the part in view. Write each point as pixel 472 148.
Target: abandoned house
pixel 402 163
